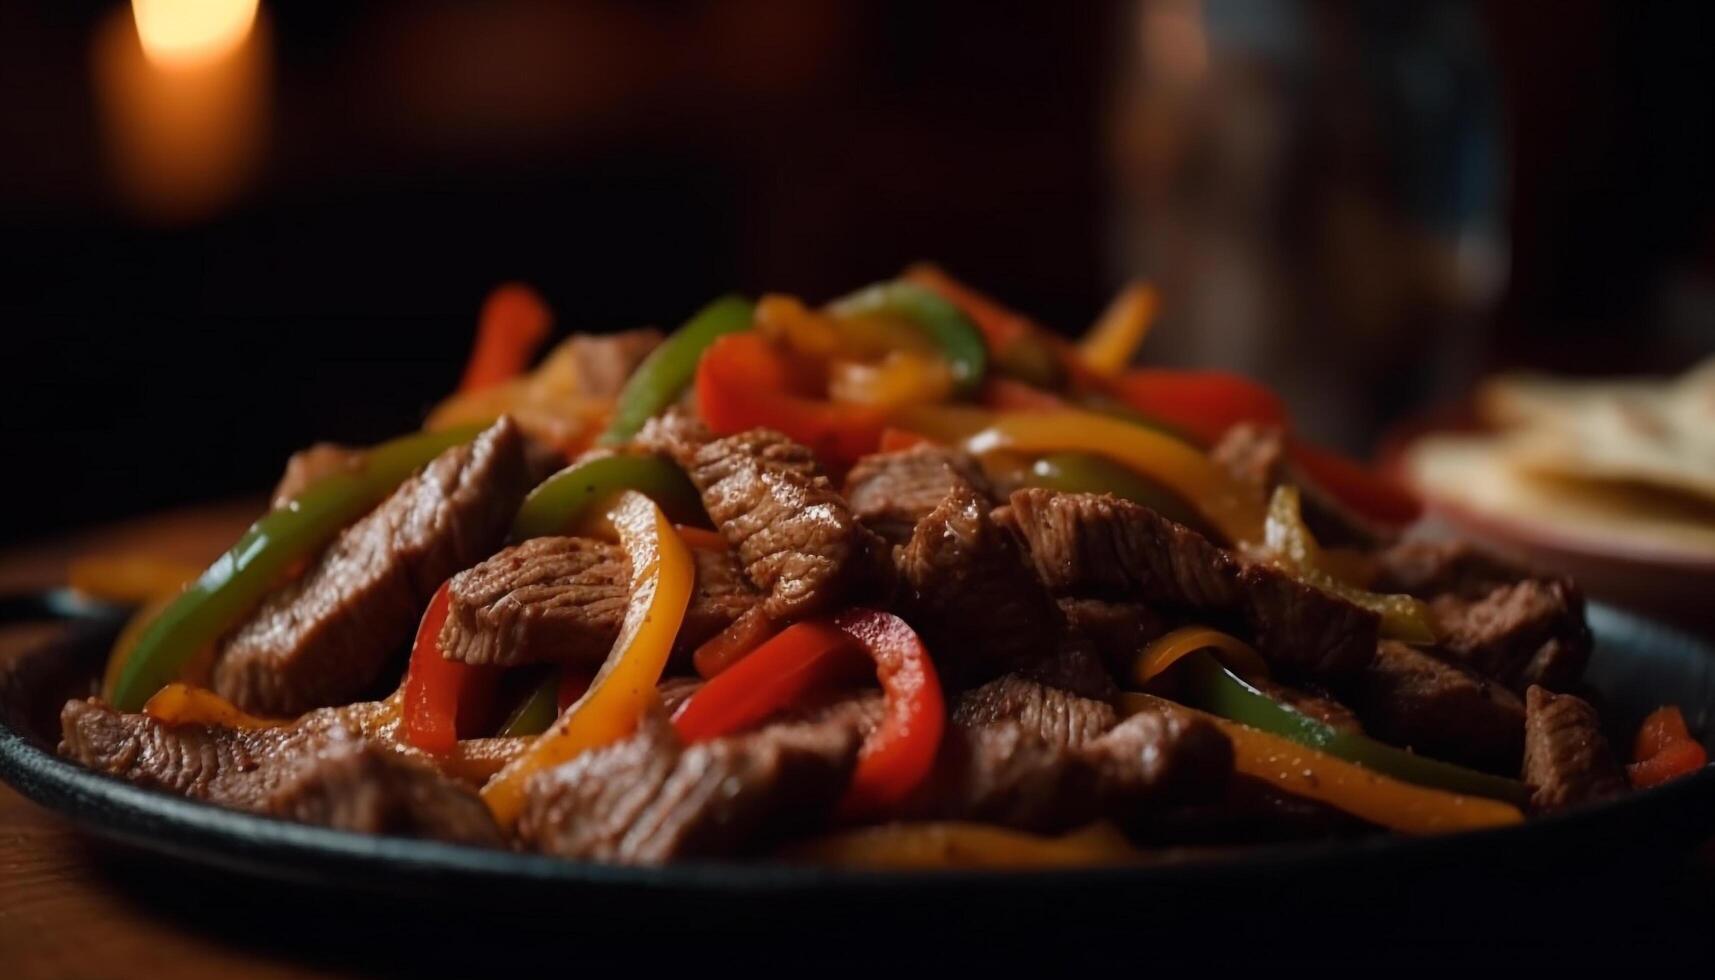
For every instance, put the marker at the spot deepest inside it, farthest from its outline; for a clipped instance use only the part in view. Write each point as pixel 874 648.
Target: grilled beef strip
pixel 563 600
pixel 1254 454
pixel 601 365
pixel 323 638
pixel 1092 545
pixel 1507 622
pixel 1410 697
pixel 1115 631
pixel 322 769
pixel 1057 716
pixel 891 492
pixel 797 538
pixel 968 590
pixel 650 799
pixel 307 466
pixel 1567 761
pixel 1315 704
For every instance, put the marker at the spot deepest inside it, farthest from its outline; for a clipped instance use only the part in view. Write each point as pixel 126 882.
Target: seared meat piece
pixel 891 492
pixel 1056 716
pixel 562 600
pixel 1099 546
pixel 797 539
pixel 1318 706
pixel 1415 699
pixel 357 785
pixel 977 603
pixel 306 466
pixel 1567 761
pixel 320 770
pixel 1255 455
pixel 1528 632
pixel 1002 772
pixel 600 365
pixel 1428 568
pixel 1115 631
pixel 323 638
pixel 675 691
pixel 1075 668
pixel 649 799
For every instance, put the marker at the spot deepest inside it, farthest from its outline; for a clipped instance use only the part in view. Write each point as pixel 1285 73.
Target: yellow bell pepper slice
pixel 1110 344
pixel 1186 470
pixel 898 379
pixel 661 579
pixel 182 704
pixel 931 846
pixel 1305 772
pixel 1165 651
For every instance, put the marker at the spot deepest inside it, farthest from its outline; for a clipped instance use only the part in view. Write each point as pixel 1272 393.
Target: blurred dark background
pixel 1367 204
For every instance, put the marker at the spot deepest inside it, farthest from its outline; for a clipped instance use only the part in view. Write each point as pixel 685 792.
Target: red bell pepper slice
pixel 743 382
pixel 802 658
pixel 897 757
pixel 729 646
pixel 1203 404
pixel 514 322
pixel 1665 750
pixel 439 693
pixel 1355 485
pixel 814 655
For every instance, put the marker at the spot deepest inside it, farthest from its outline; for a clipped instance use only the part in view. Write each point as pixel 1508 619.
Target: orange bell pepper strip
pixel 800 659
pixel 661 578
pixel 1357 486
pixel 1665 750
pixel 743 382
pixel 129 578
pixel 1203 404
pixel 939 845
pixel 744 634
pixel 1227 507
pixel 1165 651
pixel 514 323
pixel 1381 800
pixel 1114 340
pixel 440 692
pixel 183 704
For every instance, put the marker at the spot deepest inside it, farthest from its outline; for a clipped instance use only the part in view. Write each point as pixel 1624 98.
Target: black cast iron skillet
pixel 1637 666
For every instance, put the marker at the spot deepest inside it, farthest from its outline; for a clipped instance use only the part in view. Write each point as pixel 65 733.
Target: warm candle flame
pixel 177 33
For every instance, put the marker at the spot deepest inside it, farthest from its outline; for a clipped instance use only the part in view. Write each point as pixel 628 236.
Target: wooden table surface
pixel 72 907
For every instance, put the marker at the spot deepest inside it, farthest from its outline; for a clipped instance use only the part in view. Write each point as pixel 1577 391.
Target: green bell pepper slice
pixel 668 370
pixel 561 501
pixel 238 580
pixel 1207 685
pixel 1072 472
pixel 537 711
pixel 952 333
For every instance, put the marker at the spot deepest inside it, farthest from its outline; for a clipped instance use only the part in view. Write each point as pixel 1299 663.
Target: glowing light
pixel 180 33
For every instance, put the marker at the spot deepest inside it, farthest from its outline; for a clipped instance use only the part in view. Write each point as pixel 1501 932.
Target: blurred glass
pixel 1317 189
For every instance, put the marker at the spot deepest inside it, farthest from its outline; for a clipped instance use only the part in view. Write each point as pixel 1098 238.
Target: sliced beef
pixel 891 492
pixel 1114 630
pixel 320 771
pixel 306 466
pixel 563 600
pixel 1099 546
pixel 1412 698
pixel 969 591
pixel 1528 632
pixel 1056 716
pixel 1003 772
pixel 796 537
pixel 1076 669
pixel 1315 704
pixel 675 691
pixel 648 799
pixel 1567 761
pixel 1427 568
pixel 600 365
pixel 1255 455
pixel 323 638
pixel 357 785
